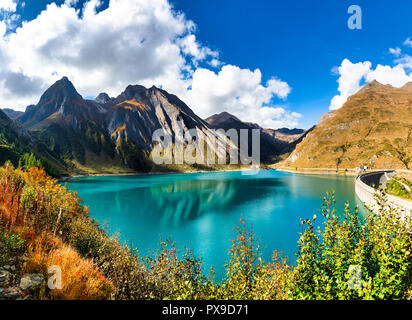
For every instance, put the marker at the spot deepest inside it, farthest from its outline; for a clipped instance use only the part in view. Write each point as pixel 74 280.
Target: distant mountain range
pixel 274 144
pixel 12 114
pixel 373 128
pixel 114 134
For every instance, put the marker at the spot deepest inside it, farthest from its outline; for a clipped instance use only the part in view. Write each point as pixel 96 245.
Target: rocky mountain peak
pixel 408 86
pixel 12 114
pixel 134 92
pixel 61 89
pixel 375 85
pixel 102 98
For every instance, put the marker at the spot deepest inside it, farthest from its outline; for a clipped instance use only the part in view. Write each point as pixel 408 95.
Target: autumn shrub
pixel 44 213
pixel 248 276
pixel 80 277
pixel 173 277
pixel 241 268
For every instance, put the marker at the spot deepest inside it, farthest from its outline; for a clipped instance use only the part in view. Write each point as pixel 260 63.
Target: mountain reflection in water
pixel 201 209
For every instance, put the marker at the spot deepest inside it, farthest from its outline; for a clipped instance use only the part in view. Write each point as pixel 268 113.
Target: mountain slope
pixel 110 134
pixel 138 112
pixel 72 127
pixel 12 114
pixel 15 142
pixel 373 128
pixel 273 143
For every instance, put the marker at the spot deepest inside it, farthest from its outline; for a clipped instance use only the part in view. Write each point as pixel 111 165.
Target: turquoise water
pixel 201 209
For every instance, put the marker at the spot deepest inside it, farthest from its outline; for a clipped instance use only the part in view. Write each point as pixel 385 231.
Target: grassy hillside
pixel 16 144
pixel 373 128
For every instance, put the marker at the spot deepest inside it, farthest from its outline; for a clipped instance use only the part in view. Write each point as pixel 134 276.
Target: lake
pixel 201 209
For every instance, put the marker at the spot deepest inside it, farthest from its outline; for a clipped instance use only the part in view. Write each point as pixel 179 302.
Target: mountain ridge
pixel 109 134
pixel 373 128
pixel 274 144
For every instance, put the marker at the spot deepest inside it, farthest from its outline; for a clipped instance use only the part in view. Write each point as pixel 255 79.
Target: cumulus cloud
pixel 351 75
pixel 395 76
pixel 240 92
pixel 130 42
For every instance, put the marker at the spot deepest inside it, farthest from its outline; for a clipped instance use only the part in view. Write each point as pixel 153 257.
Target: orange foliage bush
pixel 35 206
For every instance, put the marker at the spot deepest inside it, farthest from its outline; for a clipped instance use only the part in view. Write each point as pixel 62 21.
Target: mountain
pixel 102 98
pixel 72 127
pixel 115 134
pixel 138 112
pixel 16 142
pixel 274 144
pixel 373 128
pixel 109 134
pixel 13 142
pixel 12 114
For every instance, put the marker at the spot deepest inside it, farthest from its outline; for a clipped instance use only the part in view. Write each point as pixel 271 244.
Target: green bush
pixel 393 186
pixel 379 247
pixel 10 245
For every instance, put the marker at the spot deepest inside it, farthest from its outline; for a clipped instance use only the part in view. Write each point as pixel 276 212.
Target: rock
pixel 12 293
pixel 4 278
pixel 31 281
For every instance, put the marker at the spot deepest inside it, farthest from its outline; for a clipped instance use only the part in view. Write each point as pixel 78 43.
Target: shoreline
pixel 349 173
pixel 68 177
pixel 308 171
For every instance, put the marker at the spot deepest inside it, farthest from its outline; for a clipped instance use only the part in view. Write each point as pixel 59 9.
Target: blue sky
pixel 296 41
pixel 301 40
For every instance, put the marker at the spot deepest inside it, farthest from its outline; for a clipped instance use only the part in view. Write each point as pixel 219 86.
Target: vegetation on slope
pixel 373 128
pixel 17 146
pixel 43 221
pixel 399 186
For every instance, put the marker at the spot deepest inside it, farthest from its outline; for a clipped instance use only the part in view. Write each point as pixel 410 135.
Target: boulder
pixel 31 281
pixel 4 278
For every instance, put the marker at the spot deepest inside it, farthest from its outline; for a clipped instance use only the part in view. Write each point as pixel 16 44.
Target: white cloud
pixel 71 3
pixel 130 42
pixel 240 92
pixel 351 75
pixel 8 5
pixel 396 52
pixel 405 61
pixel 349 81
pixel 8 17
pixel 408 42
pixel 394 76
pixel 191 47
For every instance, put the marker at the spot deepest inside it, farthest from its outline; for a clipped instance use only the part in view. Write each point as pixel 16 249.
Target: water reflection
pixel 202 208
pixel 181 201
